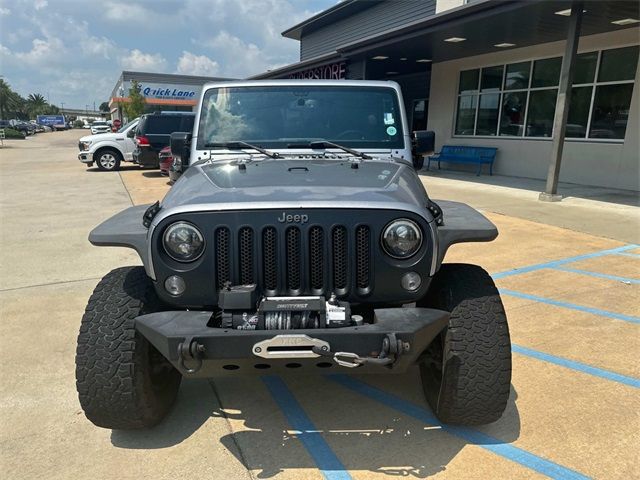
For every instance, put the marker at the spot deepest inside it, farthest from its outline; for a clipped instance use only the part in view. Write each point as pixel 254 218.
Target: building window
pixel 519 99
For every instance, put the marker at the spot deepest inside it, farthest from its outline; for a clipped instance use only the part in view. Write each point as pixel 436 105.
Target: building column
pixel 562 104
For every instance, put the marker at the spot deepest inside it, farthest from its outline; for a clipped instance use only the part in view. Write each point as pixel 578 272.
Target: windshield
pixel 123 129
pixel 288 116
pixel 99 124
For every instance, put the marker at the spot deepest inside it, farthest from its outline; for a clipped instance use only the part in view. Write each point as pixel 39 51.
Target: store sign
pixel 167 91
pixel 332 71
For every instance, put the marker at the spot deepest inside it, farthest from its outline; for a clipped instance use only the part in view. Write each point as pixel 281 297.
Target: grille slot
pixel 363 257
pixel 223 257
pixel 316 258
pixel 339 240
pixel 245 241
pixel 270 258
pixel 293 258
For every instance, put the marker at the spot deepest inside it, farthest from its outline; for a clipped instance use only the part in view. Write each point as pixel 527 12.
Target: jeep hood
pixel 297 183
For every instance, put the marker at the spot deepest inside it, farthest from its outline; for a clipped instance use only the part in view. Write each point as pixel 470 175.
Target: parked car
pixel 100 126
pixel 154 133
pixel 299 238
pixel 108 150
pixel 23 127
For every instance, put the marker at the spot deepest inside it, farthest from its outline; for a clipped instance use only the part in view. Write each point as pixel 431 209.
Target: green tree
pixel 36 104
pixel 10 101
pixel 104 107
pixel 136 104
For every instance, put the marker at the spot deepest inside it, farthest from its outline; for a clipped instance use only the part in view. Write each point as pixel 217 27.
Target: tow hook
pixel 190 350
pixel 392 349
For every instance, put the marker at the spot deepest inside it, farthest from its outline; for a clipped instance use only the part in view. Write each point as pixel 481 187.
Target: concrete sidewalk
pixel 598 211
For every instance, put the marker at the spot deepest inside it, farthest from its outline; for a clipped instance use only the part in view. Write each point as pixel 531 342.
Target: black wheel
pixel 418 162
pixel 107 159
pixel 123 382
pixel 466 371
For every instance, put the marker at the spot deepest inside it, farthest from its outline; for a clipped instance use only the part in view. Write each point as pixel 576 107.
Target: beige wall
pixel 615 165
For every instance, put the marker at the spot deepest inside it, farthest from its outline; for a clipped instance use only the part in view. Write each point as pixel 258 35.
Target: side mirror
pixel 181 147
pixel 131 133
pixel 424 142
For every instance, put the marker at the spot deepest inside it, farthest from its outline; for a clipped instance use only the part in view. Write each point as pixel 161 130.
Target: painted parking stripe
pixel 627 254
pixel 327 461
pixel 581 367
pixel 571 306
pixel 563 261
pixel 487 442
pixel 598 275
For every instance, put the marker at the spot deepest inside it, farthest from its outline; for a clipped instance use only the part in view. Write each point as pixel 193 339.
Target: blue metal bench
pixel 465 154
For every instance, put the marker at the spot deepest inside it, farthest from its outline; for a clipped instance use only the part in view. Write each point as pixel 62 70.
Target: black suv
pixel 154 132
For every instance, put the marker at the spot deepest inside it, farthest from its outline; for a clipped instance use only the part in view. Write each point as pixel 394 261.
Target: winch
pixel 241 310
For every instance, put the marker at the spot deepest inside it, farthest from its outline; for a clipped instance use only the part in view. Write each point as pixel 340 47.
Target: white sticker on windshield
pixel 391 131
pixel 388 119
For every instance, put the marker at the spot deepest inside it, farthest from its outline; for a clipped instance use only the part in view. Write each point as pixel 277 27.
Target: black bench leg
pixel 438 164
pixel 479 170
pixel 428 163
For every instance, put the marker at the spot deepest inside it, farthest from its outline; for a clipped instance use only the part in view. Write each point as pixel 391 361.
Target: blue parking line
pixel 327 461
pixel 563 261
pixel 626 254
pixel 598 275
pixel 571 306
pixel 475 437
pixel 580 367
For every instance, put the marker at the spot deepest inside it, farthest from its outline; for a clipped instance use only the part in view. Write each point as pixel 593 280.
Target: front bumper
pixel 226 351
pixel 85 157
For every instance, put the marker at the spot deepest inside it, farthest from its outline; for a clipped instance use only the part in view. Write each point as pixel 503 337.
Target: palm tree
pixel 9 100
pixel 36 104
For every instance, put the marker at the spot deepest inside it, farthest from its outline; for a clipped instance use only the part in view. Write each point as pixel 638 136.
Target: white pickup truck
pixel 108 150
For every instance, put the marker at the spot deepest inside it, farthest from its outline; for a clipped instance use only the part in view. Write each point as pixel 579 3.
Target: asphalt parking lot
pixel 572 300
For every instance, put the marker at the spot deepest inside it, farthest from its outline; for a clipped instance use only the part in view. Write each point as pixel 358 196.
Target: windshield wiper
pixel 239 145
pixel 323 144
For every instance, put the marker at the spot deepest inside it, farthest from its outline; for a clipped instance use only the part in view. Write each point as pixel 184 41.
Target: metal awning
pixel 489 23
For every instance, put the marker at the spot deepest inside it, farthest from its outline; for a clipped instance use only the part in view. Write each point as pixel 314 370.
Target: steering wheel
pixel 358 134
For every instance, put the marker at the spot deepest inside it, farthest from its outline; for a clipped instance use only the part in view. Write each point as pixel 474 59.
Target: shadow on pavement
pixel 123 168
pixel 363 434
pixel 195 404
pixel 152 174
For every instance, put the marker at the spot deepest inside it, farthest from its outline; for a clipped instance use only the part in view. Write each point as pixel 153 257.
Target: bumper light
pixel 411 281
pixel 175 285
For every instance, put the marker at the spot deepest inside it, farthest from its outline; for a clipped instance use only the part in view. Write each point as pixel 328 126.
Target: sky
pixel 73 52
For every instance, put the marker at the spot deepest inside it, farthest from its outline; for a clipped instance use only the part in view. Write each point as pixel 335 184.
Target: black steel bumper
pixel 225 351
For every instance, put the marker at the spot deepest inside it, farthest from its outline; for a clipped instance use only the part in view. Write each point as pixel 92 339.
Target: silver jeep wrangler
pixel 299 238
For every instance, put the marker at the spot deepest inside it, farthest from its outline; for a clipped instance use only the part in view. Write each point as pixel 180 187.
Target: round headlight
pixel 183 242
pixel 402 238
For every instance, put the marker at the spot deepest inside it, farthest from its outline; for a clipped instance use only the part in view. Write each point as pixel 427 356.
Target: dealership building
pixel 161 91
pixel 552 84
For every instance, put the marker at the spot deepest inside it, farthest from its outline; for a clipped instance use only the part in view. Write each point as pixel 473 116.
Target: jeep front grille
pixel 296 260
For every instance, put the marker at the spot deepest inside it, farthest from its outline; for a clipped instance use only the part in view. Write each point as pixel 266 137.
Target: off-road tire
pixel 108 159
pixel 466 371
pixel 123 382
